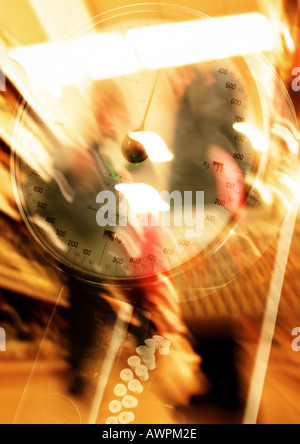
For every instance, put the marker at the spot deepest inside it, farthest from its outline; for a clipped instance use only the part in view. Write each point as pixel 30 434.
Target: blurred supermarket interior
pixel 215 330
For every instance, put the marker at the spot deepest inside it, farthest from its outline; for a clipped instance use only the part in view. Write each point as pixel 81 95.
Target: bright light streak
pixel 292 186
pixel 284 200
pixel 288 38
pixel 98 56
pixel 176 44
pixel 143 198
pixel 263 191
pixel 50 232
pixel 107 55
pixel 287 123
pixel 154 145
pixel 285 134
pixel 50 65
pixel 55 92
pixel 257 139
pixel 31 151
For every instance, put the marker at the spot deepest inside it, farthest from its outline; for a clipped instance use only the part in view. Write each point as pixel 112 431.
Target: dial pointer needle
pixel 142 127
pixel 133 151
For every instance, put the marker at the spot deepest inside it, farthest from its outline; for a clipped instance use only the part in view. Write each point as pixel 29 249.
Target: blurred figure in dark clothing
pixel 205 119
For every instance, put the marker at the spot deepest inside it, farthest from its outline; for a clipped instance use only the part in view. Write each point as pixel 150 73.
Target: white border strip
pixel 116 342
pixel 270 316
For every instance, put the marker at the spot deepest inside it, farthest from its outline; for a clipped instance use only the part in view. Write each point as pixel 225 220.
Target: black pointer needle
pixel 133 151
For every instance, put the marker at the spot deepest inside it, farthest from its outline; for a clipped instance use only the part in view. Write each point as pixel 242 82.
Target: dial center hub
pixel 133 151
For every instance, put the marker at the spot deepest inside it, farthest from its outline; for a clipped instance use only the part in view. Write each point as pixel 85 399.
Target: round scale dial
pixel 168 139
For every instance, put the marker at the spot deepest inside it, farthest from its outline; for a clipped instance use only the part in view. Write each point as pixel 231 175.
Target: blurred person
pixel 84 172
pixel 204 130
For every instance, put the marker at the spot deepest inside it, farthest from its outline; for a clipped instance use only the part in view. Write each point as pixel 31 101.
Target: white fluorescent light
pixel 107 55
pixel 99 56
pixel 184 43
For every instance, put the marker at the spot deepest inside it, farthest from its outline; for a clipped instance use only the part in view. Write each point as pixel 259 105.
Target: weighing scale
pixel 225 127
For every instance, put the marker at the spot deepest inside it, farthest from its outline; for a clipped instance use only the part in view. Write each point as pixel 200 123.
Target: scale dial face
pixel 62 161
